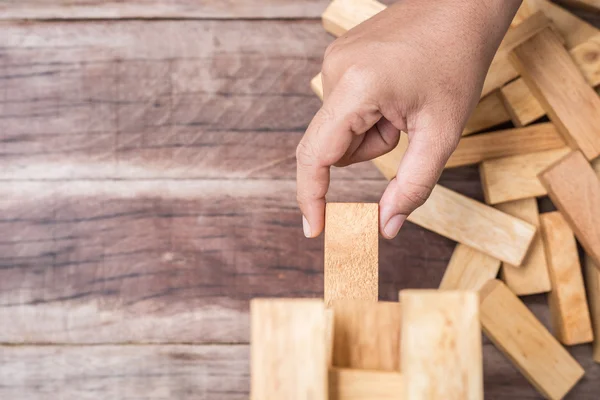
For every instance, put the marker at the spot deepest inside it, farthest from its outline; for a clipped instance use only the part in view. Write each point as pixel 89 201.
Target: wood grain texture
pixel 520 103
pixel 366 335
pixel 441 354
pixel 574 188
pixel 592 280
pixel 534 351
pixel 532 276
pixel 288 349
pixel 505 143
pixel 354 384
pixel 490 111
pixel 561 89
pixel 468 269
pixel 515 177
pixel 351 251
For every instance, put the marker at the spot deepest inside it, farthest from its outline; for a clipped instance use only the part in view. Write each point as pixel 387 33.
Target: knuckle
pixel 415 194
pixel 305 155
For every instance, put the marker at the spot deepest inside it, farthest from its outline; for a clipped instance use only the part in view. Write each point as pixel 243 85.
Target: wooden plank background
pixel 147 193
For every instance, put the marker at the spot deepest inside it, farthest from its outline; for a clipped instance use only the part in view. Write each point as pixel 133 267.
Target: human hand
pixel 417 67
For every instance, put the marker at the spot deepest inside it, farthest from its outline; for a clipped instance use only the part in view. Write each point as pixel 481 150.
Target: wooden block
pixel 468 269
pixel 520 103
pixel 515 177
pixel 504 143
pixel 561 89
pixel 574 188
pixel 526 342
pixel 469 222
pixel 522 14
pixel 587 57
pixel 354 384
pixel 343 15
pixel 316 84
pixel 351 251
pixel 501 72
pixel 288 349
pixel 532 276
pixel 568 306
pixel 366 335
pixel 490 112
pixel 592 279
pixel 522 32
pixel 388 163
pixel 590 5
pixel 441 345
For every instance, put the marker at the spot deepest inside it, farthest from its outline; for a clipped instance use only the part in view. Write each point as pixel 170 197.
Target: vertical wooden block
pixel 561 89
pixel 532 276
pixel 516 177
pixel 288 349
pixel 468 269
pixel 592 278
pixel 366 335
pixel 351 251
pixel 441 345
pixel 355 384
pixel 568 305
pixel 526 342
pixel 574 188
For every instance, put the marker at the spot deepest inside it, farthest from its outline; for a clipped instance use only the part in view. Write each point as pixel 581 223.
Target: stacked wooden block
pixel 350 346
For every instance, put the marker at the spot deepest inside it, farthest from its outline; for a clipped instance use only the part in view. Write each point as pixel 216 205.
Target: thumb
pixel 427 153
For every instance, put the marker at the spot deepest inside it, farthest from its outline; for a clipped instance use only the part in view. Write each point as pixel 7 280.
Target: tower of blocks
pixel 348 345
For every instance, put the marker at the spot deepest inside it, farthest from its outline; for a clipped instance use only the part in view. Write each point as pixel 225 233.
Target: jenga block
pixel 568 306
pixel 586 56
pixel 592 279
pixel 469 222
pixel 366 335
pixel 532 276
pixel 526 342
pixel 468 269
pixel 316 84
pixel 522 14
pixel 490 112
pixel 574 188
pixel 501 72
pixel 561 89
pixel 590 5
pixel 288 349
pixel 515 177
pixel 351 251
pixel 504 143
pixel 441 345
pixel 343 15
pixel 355 384
pixel 522 32
pixel 520 103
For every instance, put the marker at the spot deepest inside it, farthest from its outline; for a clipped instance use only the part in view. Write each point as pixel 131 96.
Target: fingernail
pixel 306 227
pixel 393 226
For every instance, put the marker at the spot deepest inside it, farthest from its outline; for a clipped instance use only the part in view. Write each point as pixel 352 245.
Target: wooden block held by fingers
pixel 441 354
pixel 532 276
pixel 468 269
pixel 592 279
pixel 343 15
pixel 515 177
pixel 288 349
pixel 351 251
pixel 490 111
pixel 366 335
pixel 510 325
pixel 561 89
pixel 568 305
pixel 505 143
pixel 574 188
pixel 355 384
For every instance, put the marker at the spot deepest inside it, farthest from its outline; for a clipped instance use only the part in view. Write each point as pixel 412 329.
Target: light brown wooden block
pixel 441 345
pixel 532 276
pixel 288 349
pixel 568 306
pixel 587 57
pixel 561 89
pixel 522 14
pixel 343 15
pixel 504 143
pixel 472 223
pixel 490 112
pixel 515 177
pixel 501 72
pixel 366 335
pixel 521 32
pixel 574 188
pixel 316 84
pixel 592 279
pixel 354 384
pixel 520 103
pixel 590 5
pixel 526 342
pixel 468 269
pixel 351 251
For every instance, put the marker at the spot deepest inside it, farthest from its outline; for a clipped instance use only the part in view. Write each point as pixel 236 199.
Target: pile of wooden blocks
pixel 428 345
